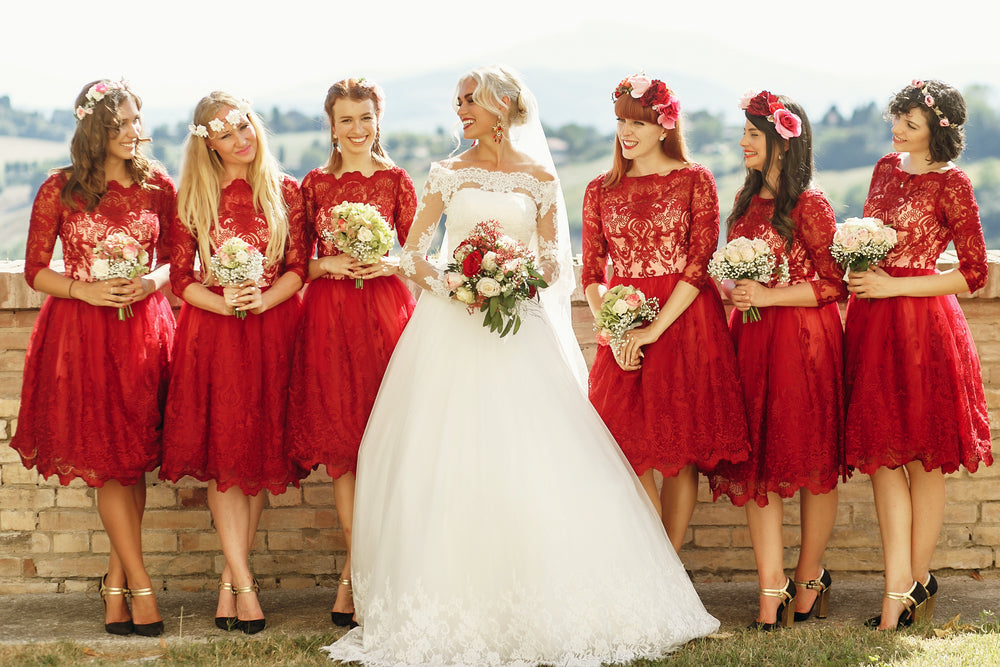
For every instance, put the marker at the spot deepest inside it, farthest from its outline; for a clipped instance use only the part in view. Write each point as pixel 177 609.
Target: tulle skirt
pixel 225 414
pixel 344 343
pixel 93 391
pixel 496 521
pixel 791 362
pixel 913 383
pixel 685 405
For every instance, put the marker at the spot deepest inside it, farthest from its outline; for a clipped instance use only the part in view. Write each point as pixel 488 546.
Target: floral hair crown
pixel 95 94
pixel 234 116
pixel 929 102
pixel 651 93
pixel 786 123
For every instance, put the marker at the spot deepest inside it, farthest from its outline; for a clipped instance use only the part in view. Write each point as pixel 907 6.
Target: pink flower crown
pixel 929 102
pixel 651 93
pixel 786 123
pixel 95 94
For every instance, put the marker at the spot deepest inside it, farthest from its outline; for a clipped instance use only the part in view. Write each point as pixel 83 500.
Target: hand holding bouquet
pixel 358 230
pixel 235 263
pixel 119 256
pixel 495 273
pixel 624 307
pixel 859 242
pixel 745 259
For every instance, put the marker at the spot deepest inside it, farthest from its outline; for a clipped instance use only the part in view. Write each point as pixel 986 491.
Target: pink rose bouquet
pixel 119 256
pixel 624 307
pixel 358 230
pixel 236 262
pixel 859 242
pixel 494 273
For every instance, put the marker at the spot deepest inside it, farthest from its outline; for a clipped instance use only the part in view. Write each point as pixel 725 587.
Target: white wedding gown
pixel 496 520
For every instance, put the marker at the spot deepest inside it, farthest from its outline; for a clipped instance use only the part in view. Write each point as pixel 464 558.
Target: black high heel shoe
pixel 116 627
pixel 783 616
pixel 154 629
pixel 822 584
pixel 931 586
pixel 344 619
pixel 254 626
pixel 913 602
pixel 226 623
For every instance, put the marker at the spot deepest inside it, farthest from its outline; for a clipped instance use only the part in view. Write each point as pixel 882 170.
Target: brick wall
pixel 51 537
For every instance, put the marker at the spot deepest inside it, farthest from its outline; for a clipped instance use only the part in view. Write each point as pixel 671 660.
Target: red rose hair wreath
pixel 651 93
pixel 786 123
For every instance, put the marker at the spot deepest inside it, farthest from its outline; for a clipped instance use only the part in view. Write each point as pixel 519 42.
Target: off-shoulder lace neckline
pixel 487 172
pixel 897 165
pixel 670 174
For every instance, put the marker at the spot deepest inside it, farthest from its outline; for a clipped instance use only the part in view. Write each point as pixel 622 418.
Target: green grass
pixel 952 644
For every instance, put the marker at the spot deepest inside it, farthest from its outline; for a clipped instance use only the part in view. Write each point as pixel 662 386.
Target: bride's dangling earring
pixel 498 131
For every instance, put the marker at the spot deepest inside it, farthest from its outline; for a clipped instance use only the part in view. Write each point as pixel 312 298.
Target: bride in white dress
pixel 496 522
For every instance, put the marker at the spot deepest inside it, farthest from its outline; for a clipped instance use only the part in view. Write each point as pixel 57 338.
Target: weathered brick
pixel 973 558
pixel 71 566
pixel 174 520
pixel 10 567
pixel 57 520
pixel 177 564
pixel 290 498
pixel 156 541
pixel 712 537
pixel 207 541
pixel 279 540
pixel 990 512
pixel 193 497
pixel 15 473
pixel 986 536
pixel 70 542
pixel 297 517
pixel 973 490
pixel 28 587
pixel 74 497
pixel 317 494
pixel 300 563
pixel 159 496
pixel 18 520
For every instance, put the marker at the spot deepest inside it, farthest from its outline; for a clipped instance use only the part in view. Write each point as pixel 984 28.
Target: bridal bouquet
pixel 236 262
pixel 358 230
pixel 119 256
pixel 624 307
pixel 495 273
pixel 749 259
pixel 859 242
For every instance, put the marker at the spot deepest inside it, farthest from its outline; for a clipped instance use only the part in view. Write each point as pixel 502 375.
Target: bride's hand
pixel 620 358
pixel 385 266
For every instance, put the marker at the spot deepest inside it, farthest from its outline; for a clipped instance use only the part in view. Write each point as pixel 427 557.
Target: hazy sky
pixel 176 51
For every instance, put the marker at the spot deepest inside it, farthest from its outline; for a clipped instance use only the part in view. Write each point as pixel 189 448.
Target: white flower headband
pixel 96 94
pixel 234 116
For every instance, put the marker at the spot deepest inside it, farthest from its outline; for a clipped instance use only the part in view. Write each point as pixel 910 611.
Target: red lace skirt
pixel 791 363
pixel 685 405
pixel 913 383
pixel 345 340
pixel 225 413
pixel 93 391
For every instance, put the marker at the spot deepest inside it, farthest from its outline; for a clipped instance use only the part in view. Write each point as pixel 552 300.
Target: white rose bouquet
pixel 495 273
pixel 358 230
pixel 119 256
pixel 236 262
pixel 859 242
pixel 624 307
pixel 749 259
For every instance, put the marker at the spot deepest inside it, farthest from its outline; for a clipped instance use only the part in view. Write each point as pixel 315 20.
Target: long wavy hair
pixel 357 90
pixel 629 108
pixel 201 185
pixel 88 149
pixel 794 178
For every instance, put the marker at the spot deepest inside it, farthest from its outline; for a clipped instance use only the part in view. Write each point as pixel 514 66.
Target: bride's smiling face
pixel 477 122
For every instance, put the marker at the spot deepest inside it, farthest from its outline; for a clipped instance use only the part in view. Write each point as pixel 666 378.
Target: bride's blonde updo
pixel 493 82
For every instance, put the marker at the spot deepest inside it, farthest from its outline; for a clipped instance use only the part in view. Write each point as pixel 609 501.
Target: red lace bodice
pixel 391 191
pixel 809 259
pixel 143 214
pixel 239 217
pixel 651 226
pixel 928 211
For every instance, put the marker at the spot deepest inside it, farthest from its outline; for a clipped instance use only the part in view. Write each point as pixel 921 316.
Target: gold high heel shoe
pixel 783 616
pixel 226 622
pixel 116 627
pixel 256 625
pixel 821 584
pixel 344 619
pixel 154 629
pixel 913 602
